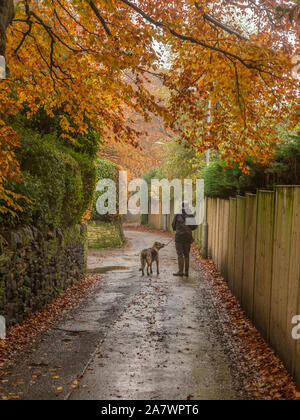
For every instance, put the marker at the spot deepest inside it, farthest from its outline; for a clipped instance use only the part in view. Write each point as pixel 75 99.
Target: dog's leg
pixel 151 270
pixel 149 265
pixel 157 265
pixel 142 269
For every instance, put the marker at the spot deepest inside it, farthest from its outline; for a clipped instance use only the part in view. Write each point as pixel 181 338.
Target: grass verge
pixel 104 235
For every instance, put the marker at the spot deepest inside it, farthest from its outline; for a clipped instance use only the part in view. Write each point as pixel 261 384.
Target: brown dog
pixel 149 256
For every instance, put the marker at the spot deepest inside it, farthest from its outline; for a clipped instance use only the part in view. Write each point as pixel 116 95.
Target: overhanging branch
pixel 190 39
pixel 100 17
pixel 226 28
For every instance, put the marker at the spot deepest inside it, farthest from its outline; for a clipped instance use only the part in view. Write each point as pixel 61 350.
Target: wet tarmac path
pixel 132 338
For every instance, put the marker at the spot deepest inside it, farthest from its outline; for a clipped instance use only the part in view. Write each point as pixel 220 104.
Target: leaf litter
pixel 263 373
pixel 21 336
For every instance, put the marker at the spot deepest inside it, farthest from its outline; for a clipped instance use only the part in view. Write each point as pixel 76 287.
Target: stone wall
pixel 36 266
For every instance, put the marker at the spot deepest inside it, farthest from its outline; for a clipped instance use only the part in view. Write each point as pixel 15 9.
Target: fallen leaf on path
pixel 19 337
pixel 266 378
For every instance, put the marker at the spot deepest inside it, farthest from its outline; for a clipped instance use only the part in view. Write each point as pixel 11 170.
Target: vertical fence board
pixel 294 289
pixel 220 239
pixel 198 237
pixel 296 367
pixel 210 226
pixel 231 242
pixel 295 272
pixel 217 233
pixel 249 254
pixel 293 283
pixel 264 259
pixel 224 256
pixel 214 228
pixel 210 222
pixel 239 247
pixel 280 277
pixel 221 235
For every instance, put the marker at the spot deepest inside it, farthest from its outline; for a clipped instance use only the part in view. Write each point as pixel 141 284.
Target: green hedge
pixel 284 169
pixel 44 124
pixel 285 166
pixel 221 181
pixel 73 203
pixel 58 180
pixel 104 170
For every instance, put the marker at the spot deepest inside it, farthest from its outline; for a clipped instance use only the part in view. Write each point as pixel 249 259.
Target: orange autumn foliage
pixel 78 55
pixel 139 160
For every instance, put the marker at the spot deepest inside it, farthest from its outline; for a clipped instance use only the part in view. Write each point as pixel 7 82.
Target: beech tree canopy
pixel 228 66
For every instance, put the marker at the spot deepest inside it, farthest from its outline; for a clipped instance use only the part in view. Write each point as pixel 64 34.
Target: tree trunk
pixel 6 16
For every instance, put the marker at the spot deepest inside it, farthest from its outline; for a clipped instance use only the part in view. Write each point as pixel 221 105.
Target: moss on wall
pixel 36 266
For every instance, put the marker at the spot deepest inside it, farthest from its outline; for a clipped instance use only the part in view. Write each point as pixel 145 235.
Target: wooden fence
pixel 162 221
pixel 254 242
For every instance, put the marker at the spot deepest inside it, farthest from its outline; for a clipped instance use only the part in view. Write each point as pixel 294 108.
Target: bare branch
pixel 226 28
pixel 25 34
pixel 268 12
pixel 53 34
pixel 100 17
pixel 75 20
pixel 59 20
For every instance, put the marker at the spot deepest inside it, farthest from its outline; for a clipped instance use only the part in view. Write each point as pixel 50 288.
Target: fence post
pixel 210 224
pixel 231 242
pixel 218 234
pixel 264 260
pixel 215 230
pixel 280 332
pixel 224 256
pixel 239 247
pixel 294 284
pixel 249 254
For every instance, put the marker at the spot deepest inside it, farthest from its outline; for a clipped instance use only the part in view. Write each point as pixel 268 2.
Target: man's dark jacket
pixel 183 230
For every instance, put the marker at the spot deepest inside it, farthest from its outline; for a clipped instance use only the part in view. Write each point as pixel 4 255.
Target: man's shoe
pixel 180 267
pixel 187 266
pixel 178 274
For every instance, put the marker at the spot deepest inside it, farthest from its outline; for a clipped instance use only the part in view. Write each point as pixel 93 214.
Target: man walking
pixel 184 224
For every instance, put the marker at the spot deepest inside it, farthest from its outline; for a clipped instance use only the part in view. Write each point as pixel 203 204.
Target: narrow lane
pixel 133 338
pixel 162 345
